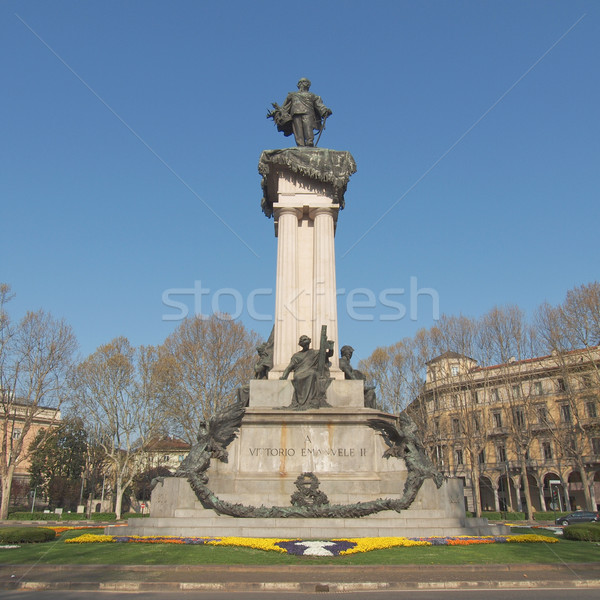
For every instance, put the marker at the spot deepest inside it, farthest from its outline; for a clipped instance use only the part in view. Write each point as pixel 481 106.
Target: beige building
pixel 14 417
pixel 487 425
pixel 166 452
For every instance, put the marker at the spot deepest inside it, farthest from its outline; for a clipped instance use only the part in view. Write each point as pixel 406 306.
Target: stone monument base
pixel 190 519
pixel 344 456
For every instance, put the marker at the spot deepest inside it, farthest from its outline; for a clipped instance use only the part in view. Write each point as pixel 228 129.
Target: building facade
pixel 22 426
pixel 539 418
pixel 166 452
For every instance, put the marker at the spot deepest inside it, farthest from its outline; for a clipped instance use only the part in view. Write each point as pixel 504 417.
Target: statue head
pixel 304 341
pixel 262 349
pixel 304 84
pixel 347 351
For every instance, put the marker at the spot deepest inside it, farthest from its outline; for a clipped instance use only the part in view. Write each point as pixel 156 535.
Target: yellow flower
pixel 88 537
pixel 258 543
pixel 530 538
pixel 379 543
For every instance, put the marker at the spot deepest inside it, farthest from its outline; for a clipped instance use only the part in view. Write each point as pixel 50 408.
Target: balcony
pixel 498 431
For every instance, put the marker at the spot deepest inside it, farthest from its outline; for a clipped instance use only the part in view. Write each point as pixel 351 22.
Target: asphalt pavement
pixel 299 578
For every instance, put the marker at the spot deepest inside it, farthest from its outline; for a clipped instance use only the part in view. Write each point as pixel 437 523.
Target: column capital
pixel 316 211
pixel 287 210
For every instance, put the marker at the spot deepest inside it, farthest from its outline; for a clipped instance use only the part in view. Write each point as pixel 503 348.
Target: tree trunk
pixel 119 499
pixel 476 491
pixel 6 487
pixel 525 480
pixel 586 487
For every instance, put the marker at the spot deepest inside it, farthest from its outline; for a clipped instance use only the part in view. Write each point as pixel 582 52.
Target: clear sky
pixel 131 133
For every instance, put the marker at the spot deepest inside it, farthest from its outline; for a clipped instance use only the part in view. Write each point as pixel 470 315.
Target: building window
pixel 565 413
pixel 454 370
pixel 497 416
pixel 501 451
pixel 538 388
pixel 456 426
pixel 561 385
pixel 459 456
pixel 519 418
pixel 181 458
pixel 455 400
pixel 481 457
pixel 439 455
pixel 516 391
pixel 166 458
pixel 476 423
pixel 590 408
pixel 542 414
pixel 547 451
pixel 475 397
pixel 586 381
pixel 16 434
pixel 436 426
pixel 436 402
pixel 496 395
pixel 596 445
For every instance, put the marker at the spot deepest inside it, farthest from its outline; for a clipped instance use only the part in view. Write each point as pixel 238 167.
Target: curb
pixel 336 587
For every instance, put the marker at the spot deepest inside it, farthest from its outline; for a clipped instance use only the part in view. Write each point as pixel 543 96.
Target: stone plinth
pixel 303 190
pixel 434 512
pixel 269 393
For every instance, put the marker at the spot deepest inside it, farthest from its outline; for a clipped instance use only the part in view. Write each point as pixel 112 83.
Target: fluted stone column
pixel 286 291
pixel 324 290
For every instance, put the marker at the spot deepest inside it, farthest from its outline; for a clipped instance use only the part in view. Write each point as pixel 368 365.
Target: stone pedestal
pixel 339 447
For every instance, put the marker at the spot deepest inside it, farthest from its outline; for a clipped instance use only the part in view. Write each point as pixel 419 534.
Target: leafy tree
pixel 57 463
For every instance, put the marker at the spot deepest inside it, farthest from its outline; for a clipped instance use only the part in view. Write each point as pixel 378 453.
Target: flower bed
pixel 336 547
pixel 59 530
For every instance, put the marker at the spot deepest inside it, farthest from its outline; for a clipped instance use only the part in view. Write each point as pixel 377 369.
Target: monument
pixel 304 452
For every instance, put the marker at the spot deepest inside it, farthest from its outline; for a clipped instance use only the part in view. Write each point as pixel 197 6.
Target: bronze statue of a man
pixel 302 114
pixel 350 373
pixel 309 384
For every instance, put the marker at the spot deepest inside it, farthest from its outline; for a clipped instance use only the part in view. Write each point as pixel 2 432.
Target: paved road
pixel 295 581
pixel 545 594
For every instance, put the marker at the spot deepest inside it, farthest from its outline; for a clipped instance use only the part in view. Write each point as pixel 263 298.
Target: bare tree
pixel 116 394
pixel 464 421
pixel 202 363
pixel 507 340
pixel 397 371
pixel 35 356
pixel 570 332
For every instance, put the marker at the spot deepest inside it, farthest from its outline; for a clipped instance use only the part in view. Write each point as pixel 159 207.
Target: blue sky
pixel 131 133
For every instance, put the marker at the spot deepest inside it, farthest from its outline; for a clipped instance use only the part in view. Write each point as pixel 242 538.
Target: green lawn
pixel 58 552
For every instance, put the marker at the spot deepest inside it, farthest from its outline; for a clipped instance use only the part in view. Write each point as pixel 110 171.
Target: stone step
pixel 307 531
pixel 408 515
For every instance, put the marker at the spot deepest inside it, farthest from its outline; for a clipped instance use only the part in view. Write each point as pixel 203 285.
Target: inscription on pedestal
pixel 343 452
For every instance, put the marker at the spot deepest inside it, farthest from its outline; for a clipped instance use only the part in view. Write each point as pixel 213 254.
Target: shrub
pixel 40 516
pixel 135 515
pixel 549 515
pixel 582 532
pixel 107 516
pixel 74 517
pixel 26 535
pixel 501 516
pixel 33 516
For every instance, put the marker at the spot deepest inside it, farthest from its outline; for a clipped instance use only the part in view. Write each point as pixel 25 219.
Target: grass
pixel 58 552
